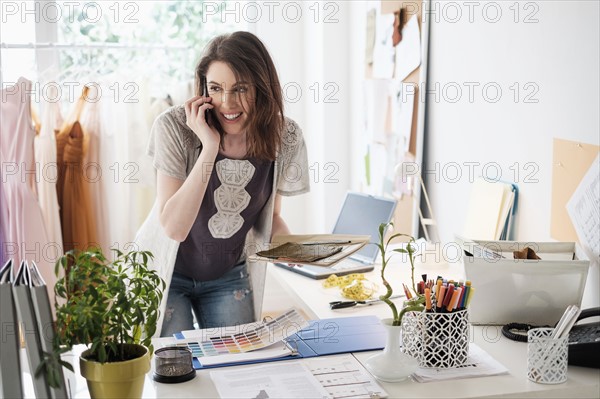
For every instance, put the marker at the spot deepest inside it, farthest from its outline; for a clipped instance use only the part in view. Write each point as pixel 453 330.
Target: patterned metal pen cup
pixel 547 358
pixel 437 340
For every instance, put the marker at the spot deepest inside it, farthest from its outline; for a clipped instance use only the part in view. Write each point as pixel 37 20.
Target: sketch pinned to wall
pixel 404 106
pixel 383 51
pixel 399 20
pixel 377 109
pixel 378 106
pixel 370 42
pixel 389 114
pixel 408 50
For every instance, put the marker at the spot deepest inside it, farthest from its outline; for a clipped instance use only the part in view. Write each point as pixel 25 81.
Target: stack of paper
pixel 479 364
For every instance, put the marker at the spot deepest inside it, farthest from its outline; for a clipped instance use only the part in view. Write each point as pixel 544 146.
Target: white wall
pixel 311 53
pixel 547 50
pixel 558 56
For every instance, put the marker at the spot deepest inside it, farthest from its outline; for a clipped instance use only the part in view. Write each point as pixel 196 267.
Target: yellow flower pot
pixel 116 379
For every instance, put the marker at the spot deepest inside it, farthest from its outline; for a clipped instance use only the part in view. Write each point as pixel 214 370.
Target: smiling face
pixel 230 97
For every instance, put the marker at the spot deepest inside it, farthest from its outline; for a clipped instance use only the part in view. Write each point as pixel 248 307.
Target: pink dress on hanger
pixel 24 226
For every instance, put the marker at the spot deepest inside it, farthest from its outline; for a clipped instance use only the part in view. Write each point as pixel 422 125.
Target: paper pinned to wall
pixel 377 94
pixel 584 211
pixel 404 105
pixel 370 42
pixel 384 51
pixel 408 51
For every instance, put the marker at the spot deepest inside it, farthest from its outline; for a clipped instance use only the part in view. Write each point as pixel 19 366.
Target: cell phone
pixel 207 113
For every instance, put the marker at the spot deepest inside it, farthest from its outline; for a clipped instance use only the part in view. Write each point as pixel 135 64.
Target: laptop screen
pixel 362 214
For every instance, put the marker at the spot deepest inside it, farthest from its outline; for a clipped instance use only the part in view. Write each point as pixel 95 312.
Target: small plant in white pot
pixel 393 365
pixel 113 308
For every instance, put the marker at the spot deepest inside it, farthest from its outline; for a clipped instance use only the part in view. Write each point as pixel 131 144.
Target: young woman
pixel 223 162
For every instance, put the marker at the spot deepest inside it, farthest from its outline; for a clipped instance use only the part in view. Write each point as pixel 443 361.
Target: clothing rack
pixel 89 45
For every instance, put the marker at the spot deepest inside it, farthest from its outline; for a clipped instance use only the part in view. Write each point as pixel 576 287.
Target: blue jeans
pixel 226 301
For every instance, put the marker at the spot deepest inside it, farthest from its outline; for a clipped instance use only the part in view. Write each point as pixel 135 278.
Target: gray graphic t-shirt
pixel 236 194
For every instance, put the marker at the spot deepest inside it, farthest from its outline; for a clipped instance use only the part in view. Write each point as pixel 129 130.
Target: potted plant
pixel 416 303
pixel 113 308
pixel 392 364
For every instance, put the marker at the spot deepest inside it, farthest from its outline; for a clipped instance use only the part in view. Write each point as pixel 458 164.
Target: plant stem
pixel 412 266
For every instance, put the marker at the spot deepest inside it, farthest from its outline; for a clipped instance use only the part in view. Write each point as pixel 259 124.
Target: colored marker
pixel 428 299
pixel 449 293
pixel 454 300
pixel 440 298
pixel 471 290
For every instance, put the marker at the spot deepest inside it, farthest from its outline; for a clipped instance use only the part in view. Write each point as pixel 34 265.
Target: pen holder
pixel 437 340
pixel 547 358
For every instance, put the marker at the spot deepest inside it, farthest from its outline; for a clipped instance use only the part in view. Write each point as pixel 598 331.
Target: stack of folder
pixel 25 309
pixel 492 210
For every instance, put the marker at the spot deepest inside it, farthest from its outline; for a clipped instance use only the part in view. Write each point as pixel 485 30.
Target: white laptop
pixel 361 214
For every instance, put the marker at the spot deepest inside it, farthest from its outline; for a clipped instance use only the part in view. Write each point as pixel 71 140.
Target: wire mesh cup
pixel 173 364
pixel 547 358
pixel 437 340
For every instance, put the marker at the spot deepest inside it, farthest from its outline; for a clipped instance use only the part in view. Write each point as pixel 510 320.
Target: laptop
pixel 361 214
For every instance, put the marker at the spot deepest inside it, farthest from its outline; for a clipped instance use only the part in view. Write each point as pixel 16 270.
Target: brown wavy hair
pixel 250 61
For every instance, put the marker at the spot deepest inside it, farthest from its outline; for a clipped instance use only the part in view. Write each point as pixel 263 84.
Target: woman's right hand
pixel 195 109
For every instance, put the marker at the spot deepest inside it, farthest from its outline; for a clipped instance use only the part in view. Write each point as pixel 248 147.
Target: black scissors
pixel 349 304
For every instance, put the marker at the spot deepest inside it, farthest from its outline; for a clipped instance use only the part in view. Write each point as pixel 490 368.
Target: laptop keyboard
pixel 346 264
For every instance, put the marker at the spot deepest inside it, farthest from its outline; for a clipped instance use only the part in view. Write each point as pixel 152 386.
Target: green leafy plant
pixel 416 303
pixel 103 304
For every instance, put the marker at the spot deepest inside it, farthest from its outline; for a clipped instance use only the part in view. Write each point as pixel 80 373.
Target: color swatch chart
pixel 258 336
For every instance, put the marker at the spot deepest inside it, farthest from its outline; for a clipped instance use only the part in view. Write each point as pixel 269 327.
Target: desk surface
pixel 313 298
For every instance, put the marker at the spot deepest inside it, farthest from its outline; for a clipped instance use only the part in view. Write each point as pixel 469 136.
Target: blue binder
pixel 327 337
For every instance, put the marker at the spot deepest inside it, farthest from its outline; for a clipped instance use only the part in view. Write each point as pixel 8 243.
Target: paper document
pixel 584 211
pixel 479 364
pixel 271 381
pixel 334 377
pixel 344 377
pixel 408 51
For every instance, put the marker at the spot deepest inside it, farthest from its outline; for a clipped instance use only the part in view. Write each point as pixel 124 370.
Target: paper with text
pixel 584 211
pixel 272 381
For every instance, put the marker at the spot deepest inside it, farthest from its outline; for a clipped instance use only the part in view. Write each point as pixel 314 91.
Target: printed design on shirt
pixel 231 198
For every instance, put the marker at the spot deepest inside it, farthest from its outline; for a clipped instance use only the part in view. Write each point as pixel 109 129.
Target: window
pixel 162 39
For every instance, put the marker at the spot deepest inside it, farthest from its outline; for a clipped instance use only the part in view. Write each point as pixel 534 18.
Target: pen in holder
pixel 547 357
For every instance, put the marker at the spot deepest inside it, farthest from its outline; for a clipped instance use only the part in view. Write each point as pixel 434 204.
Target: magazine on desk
pixel 312 249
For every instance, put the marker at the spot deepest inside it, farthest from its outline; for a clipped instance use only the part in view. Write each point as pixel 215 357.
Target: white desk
pixel 314 299
pixel 582 382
